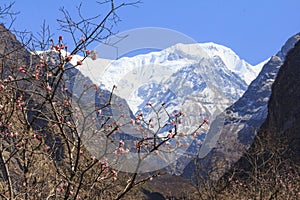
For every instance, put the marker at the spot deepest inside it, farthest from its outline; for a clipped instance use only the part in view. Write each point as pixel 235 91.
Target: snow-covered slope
pixel 224 69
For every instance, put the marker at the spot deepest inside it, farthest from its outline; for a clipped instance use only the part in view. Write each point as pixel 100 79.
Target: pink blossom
pixel 95 87
pixel 115 173
pixel 56 47
pixel 120 150
pixel 47 149
pixel 37 72
pixel 21 69
pixel 69 58
pixel 39 137
pixel 2 87
pixel 67 103
pixel 65 185
pixel 69 124
pixel 48 88
pixel 195 135
pixel 121 143
pixel 104 164
pixel 99 112
pixel 132 121
pixel 10 78
pixel 137 145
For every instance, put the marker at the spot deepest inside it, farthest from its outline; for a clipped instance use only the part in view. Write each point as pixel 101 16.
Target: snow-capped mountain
pixel 196 78
pixel 207 68
pixel 199 79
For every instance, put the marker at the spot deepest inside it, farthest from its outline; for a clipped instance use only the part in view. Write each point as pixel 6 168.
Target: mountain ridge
pixel 165 62
pixel 244 117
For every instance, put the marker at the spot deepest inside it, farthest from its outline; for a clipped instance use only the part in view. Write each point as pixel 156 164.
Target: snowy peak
pixel 216 52
pixel 187 51
pixel 193 53
pixel 216 66
pixel 237 65
pixel 132 73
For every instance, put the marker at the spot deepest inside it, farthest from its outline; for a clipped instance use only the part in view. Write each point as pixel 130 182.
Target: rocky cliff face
pixel 273 159
pixel 12 53
pixel 237 126
pixel 283 119
pixel 12 56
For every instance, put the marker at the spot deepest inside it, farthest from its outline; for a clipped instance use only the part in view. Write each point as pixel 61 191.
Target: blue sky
pixel 254 29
